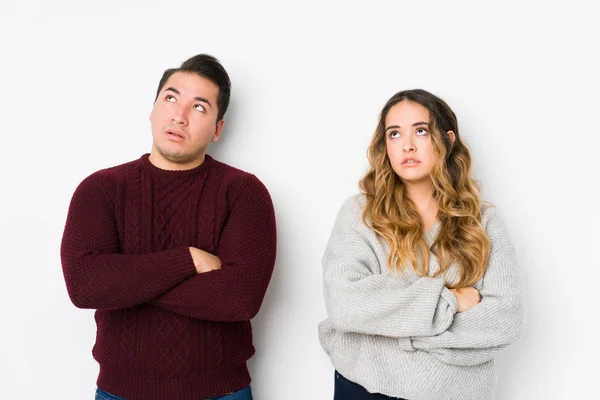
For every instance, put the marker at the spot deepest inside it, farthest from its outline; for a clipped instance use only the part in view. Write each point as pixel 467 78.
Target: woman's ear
pixel 452 136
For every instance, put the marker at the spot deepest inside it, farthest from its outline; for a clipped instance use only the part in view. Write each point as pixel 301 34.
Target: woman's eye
pixel 394 134
pixel 422 132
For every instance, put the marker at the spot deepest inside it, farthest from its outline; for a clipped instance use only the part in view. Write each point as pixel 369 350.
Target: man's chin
pixel 179 157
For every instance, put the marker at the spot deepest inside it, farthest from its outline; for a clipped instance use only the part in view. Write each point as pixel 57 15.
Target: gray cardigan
pixel 400 334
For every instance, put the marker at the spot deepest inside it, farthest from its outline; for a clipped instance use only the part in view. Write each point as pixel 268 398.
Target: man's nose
pixel 179 116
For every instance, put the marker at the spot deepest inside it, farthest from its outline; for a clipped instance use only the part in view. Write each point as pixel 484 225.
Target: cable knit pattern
pixel 400 334
pixel 125 252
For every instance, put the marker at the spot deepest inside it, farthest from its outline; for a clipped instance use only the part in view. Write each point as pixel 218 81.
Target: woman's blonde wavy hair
pixel 393 216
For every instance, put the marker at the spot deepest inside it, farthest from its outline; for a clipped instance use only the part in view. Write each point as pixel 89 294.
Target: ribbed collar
pixel 154 170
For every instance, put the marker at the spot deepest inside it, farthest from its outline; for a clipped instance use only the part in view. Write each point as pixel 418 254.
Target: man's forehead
pixel 191 84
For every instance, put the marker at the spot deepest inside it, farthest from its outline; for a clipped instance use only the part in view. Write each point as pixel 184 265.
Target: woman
pixel 421 285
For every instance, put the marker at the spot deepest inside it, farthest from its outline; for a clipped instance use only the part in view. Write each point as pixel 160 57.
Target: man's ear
pixel 218 130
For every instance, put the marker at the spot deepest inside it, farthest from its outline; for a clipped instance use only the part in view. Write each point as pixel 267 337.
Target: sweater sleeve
pixel 96 274
pixel 359 300
pixel 476 335
pixel 247 248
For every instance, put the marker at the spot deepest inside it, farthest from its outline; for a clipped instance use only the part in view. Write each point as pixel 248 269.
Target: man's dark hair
pixel 210 68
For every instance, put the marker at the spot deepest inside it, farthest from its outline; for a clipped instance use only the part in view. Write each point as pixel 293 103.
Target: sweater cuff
pixel 178 264
pixel 450 299
pixel 406 344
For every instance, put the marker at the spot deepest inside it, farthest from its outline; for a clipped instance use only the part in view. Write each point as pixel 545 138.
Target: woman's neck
pixel 421 195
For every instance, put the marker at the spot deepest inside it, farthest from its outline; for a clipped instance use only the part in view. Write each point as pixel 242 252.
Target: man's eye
pixel 170 98
pixel 199 107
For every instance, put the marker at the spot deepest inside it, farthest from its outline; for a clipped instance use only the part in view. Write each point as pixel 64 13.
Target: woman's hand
pixel 466 297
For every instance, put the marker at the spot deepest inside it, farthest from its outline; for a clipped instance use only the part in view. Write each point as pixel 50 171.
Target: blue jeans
pixel 345 389
pixel 102 395
pixel 242 394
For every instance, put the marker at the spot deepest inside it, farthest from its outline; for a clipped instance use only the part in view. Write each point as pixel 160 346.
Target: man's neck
pixel 163 163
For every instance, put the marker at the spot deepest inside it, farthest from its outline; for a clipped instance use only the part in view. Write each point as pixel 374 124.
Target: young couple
pixel 175 251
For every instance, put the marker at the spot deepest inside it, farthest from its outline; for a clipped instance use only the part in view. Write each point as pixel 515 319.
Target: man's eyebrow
pixel 202 99
pixel 415 124
pixel 172 89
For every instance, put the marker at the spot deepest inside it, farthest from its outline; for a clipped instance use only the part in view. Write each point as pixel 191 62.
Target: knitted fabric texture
pixel 163 330
pixel 400 334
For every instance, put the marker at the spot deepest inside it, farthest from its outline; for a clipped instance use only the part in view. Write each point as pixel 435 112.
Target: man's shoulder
pixel 227 170
pixel 238 186
pixel 119 170
pixel 109 177
pixel 235 178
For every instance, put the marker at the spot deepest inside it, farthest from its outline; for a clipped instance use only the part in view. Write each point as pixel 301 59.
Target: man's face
pixel 184 121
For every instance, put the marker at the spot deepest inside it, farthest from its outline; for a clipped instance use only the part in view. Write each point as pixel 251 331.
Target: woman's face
pixel 408 142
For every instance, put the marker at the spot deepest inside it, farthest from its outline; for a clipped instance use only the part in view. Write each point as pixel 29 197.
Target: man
pixel 175 251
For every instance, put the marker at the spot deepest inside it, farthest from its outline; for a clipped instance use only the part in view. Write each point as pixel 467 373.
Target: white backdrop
pixel 77 84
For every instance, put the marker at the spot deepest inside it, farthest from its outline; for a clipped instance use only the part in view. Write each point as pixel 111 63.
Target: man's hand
pixel 203 261
pixel 466 297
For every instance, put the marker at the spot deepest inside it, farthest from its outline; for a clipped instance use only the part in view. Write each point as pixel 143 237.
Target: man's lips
pixel 175 134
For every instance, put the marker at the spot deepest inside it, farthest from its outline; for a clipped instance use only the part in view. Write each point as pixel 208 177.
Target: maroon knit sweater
pixel 164 331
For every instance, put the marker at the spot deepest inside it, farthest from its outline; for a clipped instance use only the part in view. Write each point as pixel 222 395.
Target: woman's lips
pixel 411 162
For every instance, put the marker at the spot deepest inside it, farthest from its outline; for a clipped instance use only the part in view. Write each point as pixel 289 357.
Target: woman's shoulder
pixel 494 226
pixel 355 203
pixel 350 215
pixel 352 208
